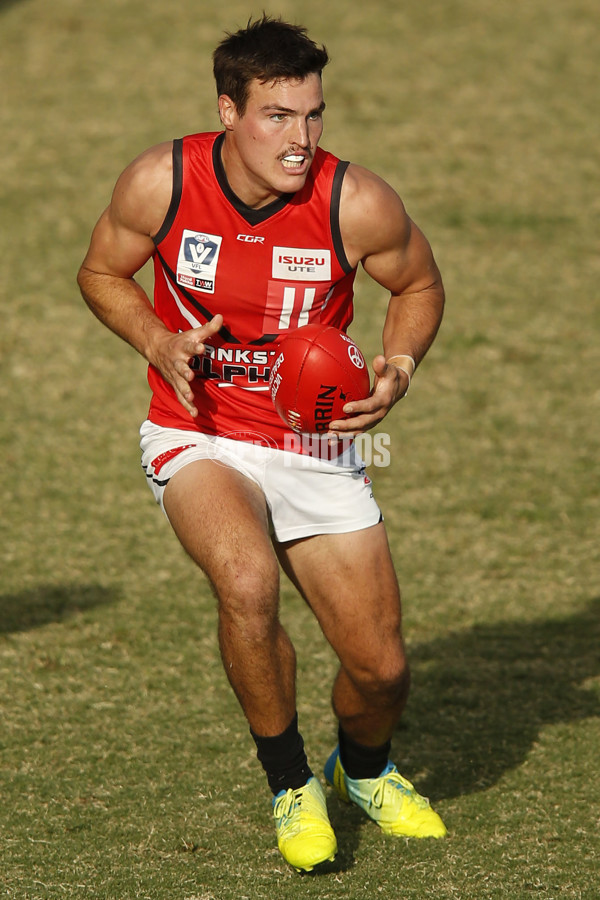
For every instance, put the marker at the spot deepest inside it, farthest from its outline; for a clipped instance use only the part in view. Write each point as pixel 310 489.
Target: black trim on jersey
pixel 229 337
pixel 252 216
pixel 176 193
pixel 266 339
pixel 334 216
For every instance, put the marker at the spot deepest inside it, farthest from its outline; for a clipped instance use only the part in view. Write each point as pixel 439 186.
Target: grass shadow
pixel 49 603
pixel 6 4
pixel 346 821
pixel 481 697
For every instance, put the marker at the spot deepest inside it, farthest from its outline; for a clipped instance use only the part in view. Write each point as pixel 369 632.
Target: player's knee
pixel 249 602
pixel 384 679
pixel 393 680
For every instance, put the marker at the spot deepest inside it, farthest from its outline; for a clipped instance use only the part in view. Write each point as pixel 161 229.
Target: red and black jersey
pixel 267 271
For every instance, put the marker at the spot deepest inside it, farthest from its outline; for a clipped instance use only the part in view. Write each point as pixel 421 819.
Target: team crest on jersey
pixel 300 264
pixel 197 260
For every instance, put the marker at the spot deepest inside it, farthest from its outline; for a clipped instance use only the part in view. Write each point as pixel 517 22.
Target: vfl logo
pixel 294 264
pixel 197 260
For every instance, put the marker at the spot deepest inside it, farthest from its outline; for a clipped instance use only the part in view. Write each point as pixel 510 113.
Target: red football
pixel 317 371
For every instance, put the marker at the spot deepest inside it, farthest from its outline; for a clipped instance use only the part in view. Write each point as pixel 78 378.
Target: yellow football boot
pixel 304 835
pixel 390 800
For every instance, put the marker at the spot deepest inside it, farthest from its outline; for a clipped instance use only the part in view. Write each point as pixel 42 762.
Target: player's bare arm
pixel 377 232
pixel 121 244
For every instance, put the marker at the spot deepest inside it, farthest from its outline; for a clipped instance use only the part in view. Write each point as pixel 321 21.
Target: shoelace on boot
pixel 397 781
pixel 285 806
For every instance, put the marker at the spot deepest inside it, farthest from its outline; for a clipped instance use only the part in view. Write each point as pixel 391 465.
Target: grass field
pixel 126 767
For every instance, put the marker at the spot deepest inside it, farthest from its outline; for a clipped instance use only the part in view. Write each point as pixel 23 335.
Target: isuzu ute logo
pixel 301 264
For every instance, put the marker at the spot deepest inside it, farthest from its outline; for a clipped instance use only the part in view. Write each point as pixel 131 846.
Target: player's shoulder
pixel 372 213
pixel 151 166
pixel 142 194
pixel 362 186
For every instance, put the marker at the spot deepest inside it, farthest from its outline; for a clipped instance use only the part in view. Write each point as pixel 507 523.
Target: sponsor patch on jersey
pixel 197 260
pixel 300 264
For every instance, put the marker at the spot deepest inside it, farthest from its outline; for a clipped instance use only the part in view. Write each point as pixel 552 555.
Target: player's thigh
pixel 220 517
pixel 350 583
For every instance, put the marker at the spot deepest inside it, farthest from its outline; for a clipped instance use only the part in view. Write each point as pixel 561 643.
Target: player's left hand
pixel 390 385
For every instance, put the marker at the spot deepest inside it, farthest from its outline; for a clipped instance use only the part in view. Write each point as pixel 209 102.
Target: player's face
pixel 269 150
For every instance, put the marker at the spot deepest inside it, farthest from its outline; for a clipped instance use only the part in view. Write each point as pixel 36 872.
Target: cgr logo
pixel 251 238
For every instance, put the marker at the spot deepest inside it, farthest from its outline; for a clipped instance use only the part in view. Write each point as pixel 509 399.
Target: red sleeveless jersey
pixel 267 271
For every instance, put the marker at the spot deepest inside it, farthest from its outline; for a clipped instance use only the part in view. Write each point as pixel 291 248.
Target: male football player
pixel 255 230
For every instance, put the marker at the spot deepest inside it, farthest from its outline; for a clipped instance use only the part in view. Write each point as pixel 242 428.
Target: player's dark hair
pixel 268 49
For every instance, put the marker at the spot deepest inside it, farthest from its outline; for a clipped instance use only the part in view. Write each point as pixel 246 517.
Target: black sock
pixel 283 758
pixel 360 761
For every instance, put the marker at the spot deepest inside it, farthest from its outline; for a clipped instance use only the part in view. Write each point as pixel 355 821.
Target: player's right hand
pixel 173 353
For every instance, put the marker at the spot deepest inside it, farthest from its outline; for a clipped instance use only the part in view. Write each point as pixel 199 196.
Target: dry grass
pixel 128 771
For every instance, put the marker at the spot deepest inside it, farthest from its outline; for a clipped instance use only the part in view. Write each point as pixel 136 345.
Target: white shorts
pixel 305 494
